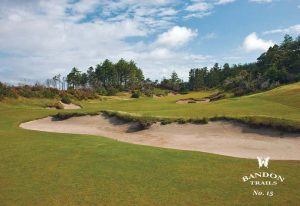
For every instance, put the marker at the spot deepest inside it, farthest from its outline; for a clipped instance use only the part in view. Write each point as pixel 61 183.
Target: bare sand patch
pixel 224 138
pixel 61 105
pixel 70 106
pixel 213 97
pixel 192 100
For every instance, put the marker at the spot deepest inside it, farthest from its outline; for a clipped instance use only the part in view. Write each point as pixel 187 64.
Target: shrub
pixel 7 91
pixel 102 91
pixel 80 94
pixel 66 100
pixel 148 92
pixel 135 94
pixel 49 93
pixel 112 91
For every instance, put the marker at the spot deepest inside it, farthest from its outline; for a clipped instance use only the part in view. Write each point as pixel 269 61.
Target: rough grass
pixel 39 168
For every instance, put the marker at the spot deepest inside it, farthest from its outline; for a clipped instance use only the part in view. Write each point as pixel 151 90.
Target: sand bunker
pixel 213 97
pixel 192 100
pixel 225 138
pixel 60 105
pixel 70 106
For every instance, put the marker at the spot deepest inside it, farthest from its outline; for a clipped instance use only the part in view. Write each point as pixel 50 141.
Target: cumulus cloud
pixel 176 37
pixel 43 38
pixel 253 43
pixel 290 30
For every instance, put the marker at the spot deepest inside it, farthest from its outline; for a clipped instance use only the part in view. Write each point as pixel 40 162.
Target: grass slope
pixel 39 168
pixel 281 104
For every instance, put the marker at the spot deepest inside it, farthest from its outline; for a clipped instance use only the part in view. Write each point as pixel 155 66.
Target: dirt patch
pixel 172 94
pixel 225 138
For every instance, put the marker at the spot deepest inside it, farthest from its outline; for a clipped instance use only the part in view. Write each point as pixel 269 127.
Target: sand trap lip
pixel 70 106
pixel 224 138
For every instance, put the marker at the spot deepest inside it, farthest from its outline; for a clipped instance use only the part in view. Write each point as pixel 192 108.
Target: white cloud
pixel 85 6
pixel 261 1
pixel 199 6
pixel 202 8
pixel 252 43
pixel 199 9
pixel 290 30
pixel 176 37
pixel 43 38
pixel 198 15
pixel 222 2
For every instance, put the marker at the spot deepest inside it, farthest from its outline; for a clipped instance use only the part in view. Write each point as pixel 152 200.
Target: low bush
pixel 80 94
pixel 112 91
pixel 7 91
pixel 39 91
pixel 135 94
pixel 66 100
pixel 102 91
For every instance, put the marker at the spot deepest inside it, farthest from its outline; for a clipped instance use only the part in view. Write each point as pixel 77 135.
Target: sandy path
pixel 225 138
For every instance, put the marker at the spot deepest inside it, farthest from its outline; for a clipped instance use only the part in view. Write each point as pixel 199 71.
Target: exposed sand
pixel 192 100
pixel 225 138
pixel 70 106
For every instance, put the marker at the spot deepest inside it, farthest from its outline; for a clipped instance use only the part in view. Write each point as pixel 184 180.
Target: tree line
pixel 107 77
pixel 279 65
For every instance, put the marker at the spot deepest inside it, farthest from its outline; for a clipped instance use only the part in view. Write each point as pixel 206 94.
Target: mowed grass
pixel 281 103
pixel 39 168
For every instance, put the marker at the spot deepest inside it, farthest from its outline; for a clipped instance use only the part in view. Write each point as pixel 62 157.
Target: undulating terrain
pixel 39 168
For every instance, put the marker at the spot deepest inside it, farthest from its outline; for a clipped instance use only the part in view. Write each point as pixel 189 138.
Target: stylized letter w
pixel 263 162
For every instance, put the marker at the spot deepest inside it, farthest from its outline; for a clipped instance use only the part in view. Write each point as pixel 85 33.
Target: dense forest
pixel 279 65
pixel 107 77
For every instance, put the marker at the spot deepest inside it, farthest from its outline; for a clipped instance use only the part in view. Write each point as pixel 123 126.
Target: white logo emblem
pixel 263 162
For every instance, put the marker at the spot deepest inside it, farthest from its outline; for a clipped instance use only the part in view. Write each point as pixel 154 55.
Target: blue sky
pixel 39 39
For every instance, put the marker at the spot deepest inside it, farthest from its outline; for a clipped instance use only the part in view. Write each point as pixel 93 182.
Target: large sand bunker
pixel 225 138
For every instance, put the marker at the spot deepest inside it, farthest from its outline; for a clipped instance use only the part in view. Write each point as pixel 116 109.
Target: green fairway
pixel 281 104
pixel 39 168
